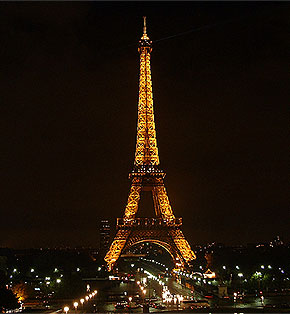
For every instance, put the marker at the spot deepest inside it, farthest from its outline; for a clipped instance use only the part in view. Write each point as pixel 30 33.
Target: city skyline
pixel 219 85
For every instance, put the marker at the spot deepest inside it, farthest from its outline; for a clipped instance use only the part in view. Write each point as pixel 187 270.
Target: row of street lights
pixel 82 301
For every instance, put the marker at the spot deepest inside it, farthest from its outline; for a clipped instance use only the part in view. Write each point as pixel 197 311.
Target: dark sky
pixel 69 91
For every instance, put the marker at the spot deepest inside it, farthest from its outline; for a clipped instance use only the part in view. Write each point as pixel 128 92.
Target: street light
pixel 66 309
pixel 235 298
pixel 144 292
pixel 76 305
pixel 262 299
pixel 82 301
pixel 87 298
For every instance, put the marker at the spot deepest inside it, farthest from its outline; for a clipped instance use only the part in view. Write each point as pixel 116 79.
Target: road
pixel 111 292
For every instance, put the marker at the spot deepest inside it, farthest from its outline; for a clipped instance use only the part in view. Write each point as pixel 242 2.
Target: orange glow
pixel 209 274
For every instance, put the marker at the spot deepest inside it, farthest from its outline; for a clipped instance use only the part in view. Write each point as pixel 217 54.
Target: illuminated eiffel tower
pixel 164 230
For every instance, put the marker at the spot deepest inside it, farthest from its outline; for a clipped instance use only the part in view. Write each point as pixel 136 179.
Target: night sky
pixel 69 92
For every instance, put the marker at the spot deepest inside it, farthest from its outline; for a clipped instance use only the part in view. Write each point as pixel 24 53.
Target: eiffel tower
pixel 164 230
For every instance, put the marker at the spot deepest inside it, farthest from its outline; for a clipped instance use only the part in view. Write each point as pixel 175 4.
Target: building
pixel 105 234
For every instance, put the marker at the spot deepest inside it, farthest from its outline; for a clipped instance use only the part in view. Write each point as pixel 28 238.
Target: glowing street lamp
pixel 262 299
pixel 82 301
pixel 144 293
pixel 66 309
pixel 235 298
pixel 76 305
pixel 130 299
pixel 87 298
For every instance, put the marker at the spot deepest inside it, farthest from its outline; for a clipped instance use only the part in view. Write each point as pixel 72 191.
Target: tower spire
pixel 145 36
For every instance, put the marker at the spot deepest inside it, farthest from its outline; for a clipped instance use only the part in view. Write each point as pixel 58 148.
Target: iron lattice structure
pixel 163 230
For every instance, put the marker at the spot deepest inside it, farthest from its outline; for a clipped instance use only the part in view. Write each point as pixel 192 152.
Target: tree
pixel 22 291
pixel 8 301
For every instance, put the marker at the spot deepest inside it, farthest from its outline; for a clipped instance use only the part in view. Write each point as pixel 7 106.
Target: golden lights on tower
pixel 147 175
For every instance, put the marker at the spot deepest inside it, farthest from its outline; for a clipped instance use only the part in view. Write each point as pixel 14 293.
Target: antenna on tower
pixel 144 27
pixel 144 37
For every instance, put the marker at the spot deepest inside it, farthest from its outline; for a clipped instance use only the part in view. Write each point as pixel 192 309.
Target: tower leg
pixel 159 193
pixel 116 248
pixel 133 201
pixel 182 245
